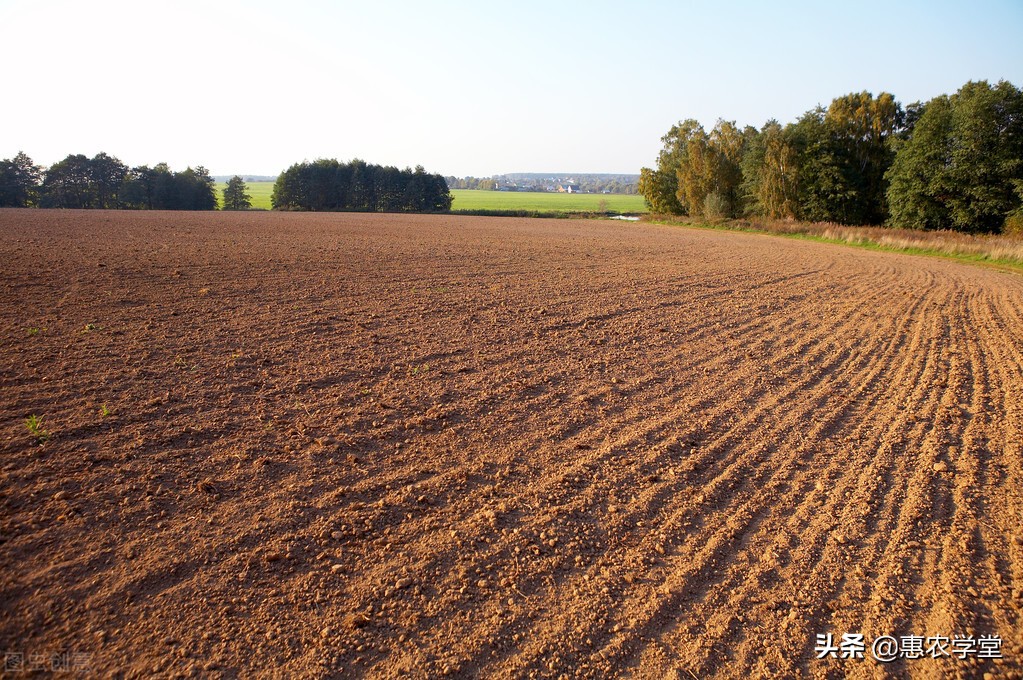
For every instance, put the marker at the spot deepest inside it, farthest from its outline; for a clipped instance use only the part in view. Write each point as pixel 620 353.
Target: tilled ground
pixel 301 445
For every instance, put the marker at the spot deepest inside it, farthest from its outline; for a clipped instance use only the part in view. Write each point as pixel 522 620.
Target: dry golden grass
pixel 997 248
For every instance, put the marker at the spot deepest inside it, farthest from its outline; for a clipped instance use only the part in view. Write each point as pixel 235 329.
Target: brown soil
pixel 302 445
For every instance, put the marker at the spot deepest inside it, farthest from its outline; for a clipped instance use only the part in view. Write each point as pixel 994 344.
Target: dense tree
pixel 843 153
pixel 770 174
pixel 986 169
pixel 824 194
pixel 916 195
pixel 659 185
pixel 331 185
pixel 235 197
pixel 148 188
pixel 827 166
pixel 103 181
pixel 158 188
pixel 694 173
pixel 19 181
pixel 722 178
pixel 962 166
pixel 196 190
pixel 862 125
pixel 107 176
pixel 697 173
pixel 287 193
pixel 68 184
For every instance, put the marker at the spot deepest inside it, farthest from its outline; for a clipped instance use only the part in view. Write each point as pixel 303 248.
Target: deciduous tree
pixel 770 174
pixel 962 166
pixel 68 184
pixel 19 181
pixel 357 185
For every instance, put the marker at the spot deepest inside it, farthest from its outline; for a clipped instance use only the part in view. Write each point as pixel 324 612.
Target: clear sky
pixel 463 88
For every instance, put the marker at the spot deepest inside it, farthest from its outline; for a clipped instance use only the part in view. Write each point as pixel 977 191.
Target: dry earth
pixel 297 445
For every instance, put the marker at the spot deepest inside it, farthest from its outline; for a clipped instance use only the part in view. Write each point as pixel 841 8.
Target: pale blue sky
pixel 461 88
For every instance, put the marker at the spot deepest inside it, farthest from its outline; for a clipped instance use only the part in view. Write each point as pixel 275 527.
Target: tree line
pixel 481 183
pixel 588 183
pixel 954 162
pixel 358 186
pixel 103 181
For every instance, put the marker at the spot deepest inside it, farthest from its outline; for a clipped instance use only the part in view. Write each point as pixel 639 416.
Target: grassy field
pixel 470 199
pixel 259 191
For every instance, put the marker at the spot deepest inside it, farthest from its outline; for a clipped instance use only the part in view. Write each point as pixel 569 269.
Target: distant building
pixel 568 188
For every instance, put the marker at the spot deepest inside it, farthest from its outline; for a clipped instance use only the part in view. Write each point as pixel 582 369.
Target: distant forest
pixel 359 186
pixel 538 181
pixel 955 162
pixel 103 182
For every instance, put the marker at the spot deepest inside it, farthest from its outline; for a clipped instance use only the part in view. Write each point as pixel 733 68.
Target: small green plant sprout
pixel 35 331
pixel 104 411
pixel 35 427
pixel 89 327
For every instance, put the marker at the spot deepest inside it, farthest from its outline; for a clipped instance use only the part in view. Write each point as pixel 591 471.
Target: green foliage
pixel 828 166
pixel 694 165
pixel 106 174
pixel 330 185
pixel 916 197
pixel 660 186
pixel 82 182
pixel 235 196
pixel 770 168
pixel 194 190
pixel 35 427
pixel 962 166
pixel 105 182
pixel 860 126
pixel 824 194
pixel 19 182
pixel 68 184
pixel 710 166
pixel 842 154
pixel 695 170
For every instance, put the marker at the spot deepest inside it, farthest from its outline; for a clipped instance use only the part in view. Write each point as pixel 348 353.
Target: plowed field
pixel 298 445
